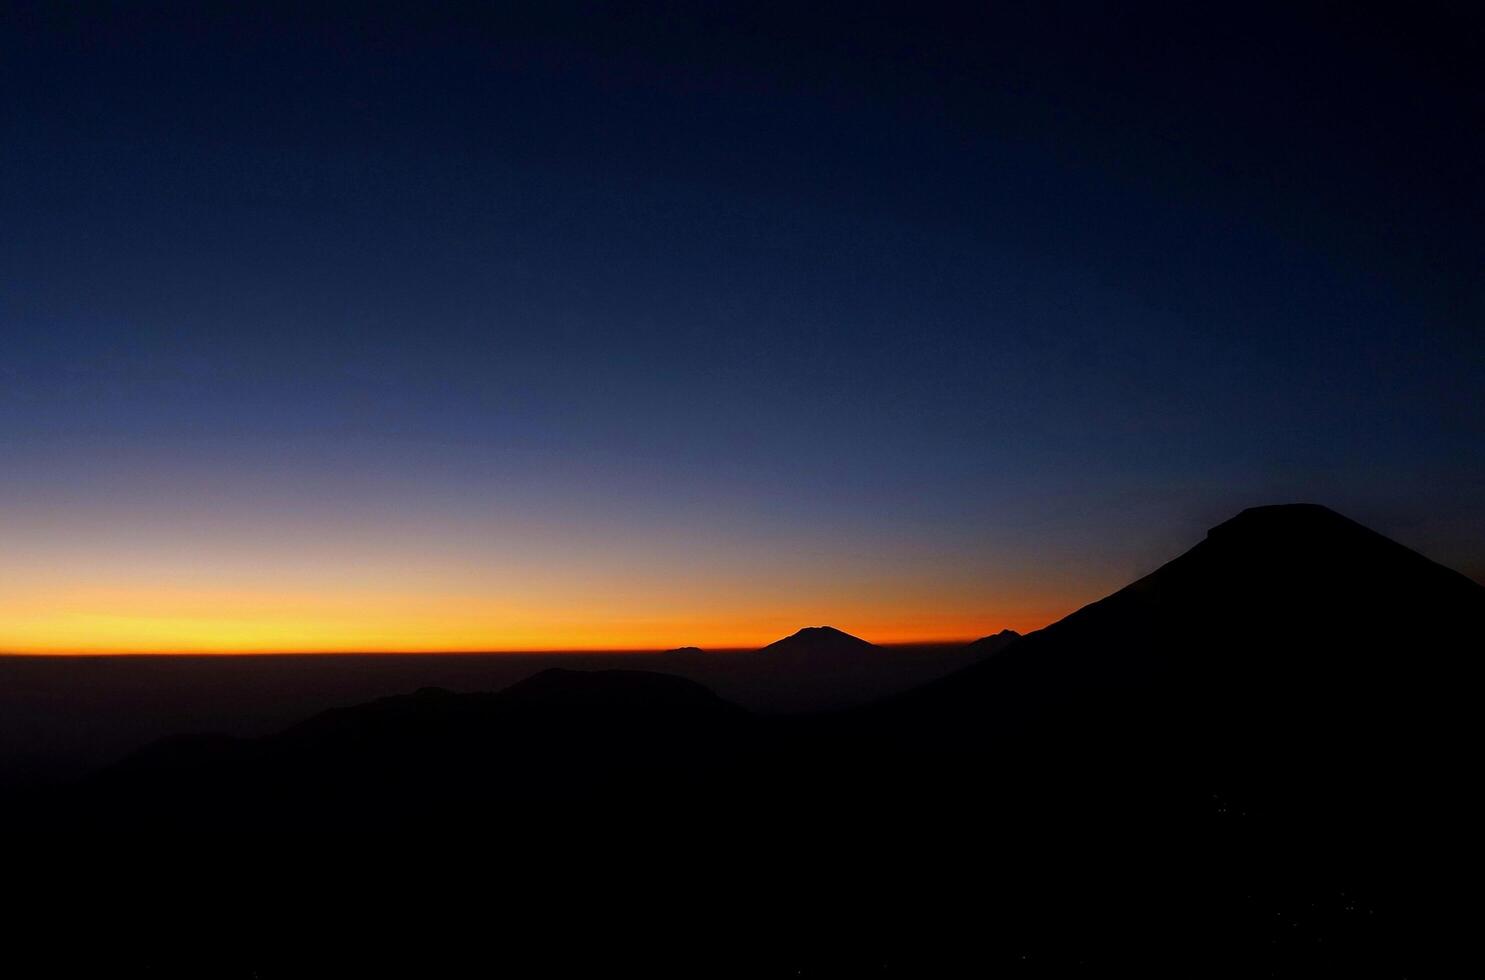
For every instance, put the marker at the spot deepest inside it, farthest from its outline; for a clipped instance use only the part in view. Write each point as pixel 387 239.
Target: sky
pixel 370 327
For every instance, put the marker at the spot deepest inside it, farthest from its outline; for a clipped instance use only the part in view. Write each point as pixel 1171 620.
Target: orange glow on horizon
pixel 141 622
pixel 123 636
pixel 136 579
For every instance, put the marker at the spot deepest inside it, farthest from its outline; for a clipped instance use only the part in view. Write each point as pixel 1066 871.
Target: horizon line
pixel 464 651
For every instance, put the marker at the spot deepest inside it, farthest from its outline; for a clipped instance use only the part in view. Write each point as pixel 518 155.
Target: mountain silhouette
pixel 1289 605
pixel 818 641
pixel 1251 761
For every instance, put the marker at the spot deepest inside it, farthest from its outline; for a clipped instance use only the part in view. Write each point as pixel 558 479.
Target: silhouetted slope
pixel 1293 654
pixel 994 643
pixel 1289 605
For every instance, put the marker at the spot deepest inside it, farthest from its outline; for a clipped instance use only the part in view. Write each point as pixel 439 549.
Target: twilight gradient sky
pixel 630 326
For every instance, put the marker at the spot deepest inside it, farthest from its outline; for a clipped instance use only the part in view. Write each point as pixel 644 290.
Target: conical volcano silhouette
pixel 1290 605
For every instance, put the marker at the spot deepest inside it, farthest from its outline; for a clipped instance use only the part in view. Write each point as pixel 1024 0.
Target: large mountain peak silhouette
pixel 1292 605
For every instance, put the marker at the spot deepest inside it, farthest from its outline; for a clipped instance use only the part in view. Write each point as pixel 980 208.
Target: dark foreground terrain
pixel 61 717
pixel 1255 761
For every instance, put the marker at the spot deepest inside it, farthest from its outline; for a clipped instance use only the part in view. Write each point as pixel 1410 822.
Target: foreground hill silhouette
pixel 63 717
pixel 558 736
pixel 1249 762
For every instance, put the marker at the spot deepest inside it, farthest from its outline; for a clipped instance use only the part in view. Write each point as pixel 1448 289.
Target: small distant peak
pixel 684 650
pixel 817 638
pixel 824 634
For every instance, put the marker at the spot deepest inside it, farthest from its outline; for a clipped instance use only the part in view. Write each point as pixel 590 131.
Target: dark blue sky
pixel 1051 289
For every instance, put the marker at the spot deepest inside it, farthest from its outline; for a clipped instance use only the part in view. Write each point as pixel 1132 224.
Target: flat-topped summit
pixel 1302 517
